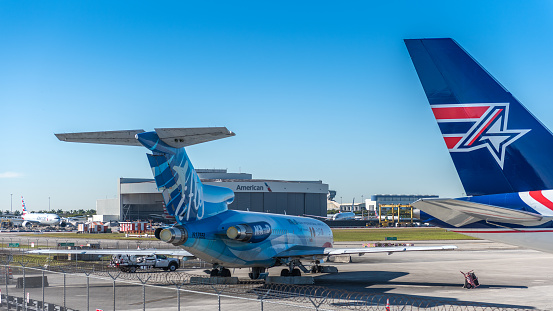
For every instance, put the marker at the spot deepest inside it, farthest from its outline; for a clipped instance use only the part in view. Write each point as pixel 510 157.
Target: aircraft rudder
pixel 184 194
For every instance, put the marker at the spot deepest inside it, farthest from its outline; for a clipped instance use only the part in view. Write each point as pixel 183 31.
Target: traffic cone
pixel 387 304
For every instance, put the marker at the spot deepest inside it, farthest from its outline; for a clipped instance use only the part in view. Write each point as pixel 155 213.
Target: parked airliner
pixel 208 229
pixel 42 219
pixel 502 153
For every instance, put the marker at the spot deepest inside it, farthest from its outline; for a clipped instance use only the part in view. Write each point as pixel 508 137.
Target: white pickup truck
pixel 132 263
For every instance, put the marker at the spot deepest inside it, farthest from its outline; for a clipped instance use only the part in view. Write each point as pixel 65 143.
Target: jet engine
pixel 252 232
pixel 175 235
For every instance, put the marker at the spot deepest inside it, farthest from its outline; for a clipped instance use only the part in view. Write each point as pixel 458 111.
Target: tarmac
pixel 510 277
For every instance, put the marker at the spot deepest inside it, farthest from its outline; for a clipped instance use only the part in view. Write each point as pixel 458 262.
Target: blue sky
pixel 314 90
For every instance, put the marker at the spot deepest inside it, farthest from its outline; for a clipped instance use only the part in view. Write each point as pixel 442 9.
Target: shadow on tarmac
pixel 367 282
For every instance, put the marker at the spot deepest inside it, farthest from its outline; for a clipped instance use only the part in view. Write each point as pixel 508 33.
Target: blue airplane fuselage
pixel 207 238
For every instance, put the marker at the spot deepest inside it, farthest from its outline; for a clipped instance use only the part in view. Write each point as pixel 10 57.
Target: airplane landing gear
pixel 220 271
pixel 286 272
pixel 292 270
pixel 214 272
pixel 256 272
pixel 316 269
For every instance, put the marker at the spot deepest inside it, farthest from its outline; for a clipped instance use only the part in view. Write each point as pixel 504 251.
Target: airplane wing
pixel 315 216
pixel 32 221
pixel 388 249
pixel 459 213
pixel 314 251
pixel 170 252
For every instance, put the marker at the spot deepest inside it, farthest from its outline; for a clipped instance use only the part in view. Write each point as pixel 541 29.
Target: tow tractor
pixel 132 263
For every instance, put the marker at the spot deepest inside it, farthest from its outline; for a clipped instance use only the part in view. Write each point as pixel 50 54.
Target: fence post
pixel 263 297
pixel 7 277
pixel 113 278
pixel 87 291
pixel 143 290
pixel 64 307
pixel 42 288
pixel 24 300
pixel 178 295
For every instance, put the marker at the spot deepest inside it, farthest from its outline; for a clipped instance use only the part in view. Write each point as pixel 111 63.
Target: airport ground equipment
pixel 207 228
pixel 402 211
pixel 471 281
pixel 132 263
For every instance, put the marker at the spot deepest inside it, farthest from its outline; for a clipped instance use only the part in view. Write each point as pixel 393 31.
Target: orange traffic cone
pixel 387 304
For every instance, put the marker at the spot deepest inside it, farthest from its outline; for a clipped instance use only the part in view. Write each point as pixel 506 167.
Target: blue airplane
pixel 208 229
pixel 502 153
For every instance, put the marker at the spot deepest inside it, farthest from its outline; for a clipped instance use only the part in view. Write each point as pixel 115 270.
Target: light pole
pixel 49 204
pixel 11 203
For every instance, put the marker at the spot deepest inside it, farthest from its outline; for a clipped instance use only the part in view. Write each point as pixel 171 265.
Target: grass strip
pixel 403 234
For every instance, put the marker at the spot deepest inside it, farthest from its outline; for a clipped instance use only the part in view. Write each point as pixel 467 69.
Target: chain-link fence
pixel 16 243
pixel 41 283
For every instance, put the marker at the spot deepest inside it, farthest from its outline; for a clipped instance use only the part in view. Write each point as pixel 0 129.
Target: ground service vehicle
pixel 131 263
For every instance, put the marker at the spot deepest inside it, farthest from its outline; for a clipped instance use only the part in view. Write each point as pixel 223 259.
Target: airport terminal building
pixel 139 199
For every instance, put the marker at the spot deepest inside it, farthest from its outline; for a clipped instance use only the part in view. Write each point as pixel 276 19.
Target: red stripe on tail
pixel 459 112
pixel 538 196
pixel 451 141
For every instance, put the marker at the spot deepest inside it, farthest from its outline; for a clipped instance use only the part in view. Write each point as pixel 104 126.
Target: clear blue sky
pixel 314 90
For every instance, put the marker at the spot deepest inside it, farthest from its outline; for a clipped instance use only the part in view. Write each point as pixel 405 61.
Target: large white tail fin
pixel 23 206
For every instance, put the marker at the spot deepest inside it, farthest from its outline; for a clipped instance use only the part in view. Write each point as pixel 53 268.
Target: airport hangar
pixel 139 199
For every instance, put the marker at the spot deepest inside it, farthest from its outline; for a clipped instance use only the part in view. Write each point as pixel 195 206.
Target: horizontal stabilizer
pixel 126 138
pixel 459 213
pixel 182 137
pixel 174 137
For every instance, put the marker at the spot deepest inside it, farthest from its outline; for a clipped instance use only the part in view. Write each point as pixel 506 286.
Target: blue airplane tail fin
pixel 497 145
pixel 185 196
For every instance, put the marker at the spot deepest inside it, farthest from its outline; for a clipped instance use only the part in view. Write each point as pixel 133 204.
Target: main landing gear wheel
pixel 296 272
pixel 225 273
pixel 285 272
pixel 214 272
pixel 222 272
pixel 256 272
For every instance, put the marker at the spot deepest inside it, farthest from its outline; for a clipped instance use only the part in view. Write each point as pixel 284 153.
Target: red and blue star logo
pixel 469 127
